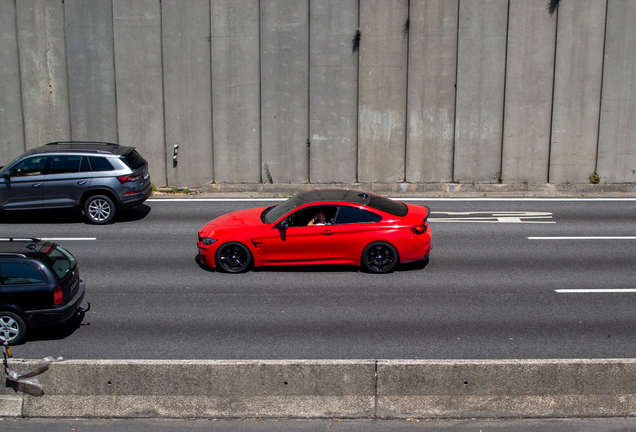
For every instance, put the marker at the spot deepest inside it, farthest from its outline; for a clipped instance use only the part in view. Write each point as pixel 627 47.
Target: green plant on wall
pixel 497 177
pixel 595 178
pixel 356 40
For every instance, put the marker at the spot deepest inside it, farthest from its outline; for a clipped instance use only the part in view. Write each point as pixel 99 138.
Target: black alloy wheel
pixel 379 257
pixel 233 257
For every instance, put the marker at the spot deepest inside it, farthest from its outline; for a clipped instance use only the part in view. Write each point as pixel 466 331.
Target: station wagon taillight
pixel 419 229
pixel 128 178
pixel 58 296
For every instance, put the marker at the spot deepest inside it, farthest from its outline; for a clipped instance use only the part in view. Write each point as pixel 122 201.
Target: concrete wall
pixel 432 76
pixel 140 114
pixel 236 90
pixel 187 90
pixel 329 389
pixel 577 90
pixel 260 91
pixel 285 90
pixel 88 26
pixel 11 138
pixel 528 100
pixel 43 74
pixel 481 73
pixel 333 91
pixel 382 87
pixel 616 149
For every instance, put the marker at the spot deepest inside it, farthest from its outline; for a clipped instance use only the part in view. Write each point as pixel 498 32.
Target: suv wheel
pixel 99 209
pixel 12 328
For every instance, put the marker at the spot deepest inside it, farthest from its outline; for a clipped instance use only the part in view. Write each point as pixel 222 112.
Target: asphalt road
pixel 490 291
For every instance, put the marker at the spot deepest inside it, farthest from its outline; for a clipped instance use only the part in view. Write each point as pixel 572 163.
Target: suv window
pixel 64 164
pixel 28 167
pixel 134 160
pixel 60 261
pixel 350 215
pixel 19 274
pixel 100 164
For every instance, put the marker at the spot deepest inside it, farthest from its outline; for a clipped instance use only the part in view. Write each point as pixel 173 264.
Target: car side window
pixel 84 166
pixel 64 164
pixel 100 164
pixel 304 216
pixel 29 167
pixel 352 215
pixel 20 274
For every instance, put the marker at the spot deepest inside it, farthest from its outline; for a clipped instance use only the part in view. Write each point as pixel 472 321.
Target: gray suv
pixel 98 178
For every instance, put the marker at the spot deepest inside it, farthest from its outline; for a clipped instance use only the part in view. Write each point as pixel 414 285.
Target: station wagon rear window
pixel 60 262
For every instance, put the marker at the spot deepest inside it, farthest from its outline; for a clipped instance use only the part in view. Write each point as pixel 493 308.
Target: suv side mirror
pixel 6 175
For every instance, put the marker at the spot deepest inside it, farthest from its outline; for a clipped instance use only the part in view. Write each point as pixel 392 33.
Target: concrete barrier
pixel 329 389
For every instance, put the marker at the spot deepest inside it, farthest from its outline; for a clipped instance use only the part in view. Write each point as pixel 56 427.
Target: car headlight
pixel 207 241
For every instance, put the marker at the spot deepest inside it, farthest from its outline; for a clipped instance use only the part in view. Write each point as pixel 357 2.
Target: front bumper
pixel 53 316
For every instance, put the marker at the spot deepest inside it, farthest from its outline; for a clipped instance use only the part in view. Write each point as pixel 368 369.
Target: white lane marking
pixel 574 199
pixel 213 199
pixel 601 290
pixel 585 238
pixel 68 238
pixel 494 217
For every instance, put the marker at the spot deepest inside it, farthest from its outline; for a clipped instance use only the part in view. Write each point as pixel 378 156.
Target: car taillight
pixel 128 178
pixel 419 229
pixel 58 296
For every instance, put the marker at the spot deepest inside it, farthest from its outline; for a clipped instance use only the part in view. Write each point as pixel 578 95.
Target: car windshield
pixel 11 163
pixel 272 214
pixel 60 261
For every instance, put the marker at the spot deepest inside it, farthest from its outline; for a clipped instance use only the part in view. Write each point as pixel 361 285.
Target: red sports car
pixel 322 226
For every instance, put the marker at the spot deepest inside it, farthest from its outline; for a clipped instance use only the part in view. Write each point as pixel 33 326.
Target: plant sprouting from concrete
pixel 356 40
pixel 552 6
pixel 594 178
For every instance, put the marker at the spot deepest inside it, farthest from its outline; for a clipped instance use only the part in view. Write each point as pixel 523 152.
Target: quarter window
pixel 350 215
pixel 100 164
pixel 20 274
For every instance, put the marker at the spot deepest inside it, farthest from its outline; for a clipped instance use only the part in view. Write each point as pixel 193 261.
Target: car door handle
pixel 327 232
pixel 37 184
pixel 81 182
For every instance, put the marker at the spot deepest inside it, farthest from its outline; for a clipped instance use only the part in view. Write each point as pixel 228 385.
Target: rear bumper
pixel 137 199
pixel 53 316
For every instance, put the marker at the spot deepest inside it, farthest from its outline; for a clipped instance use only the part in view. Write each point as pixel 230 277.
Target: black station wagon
pixel 40 285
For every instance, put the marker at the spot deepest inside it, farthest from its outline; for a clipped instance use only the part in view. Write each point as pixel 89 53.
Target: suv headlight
pixel 207 241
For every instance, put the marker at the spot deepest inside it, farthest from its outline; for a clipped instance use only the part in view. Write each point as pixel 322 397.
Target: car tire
pixel 379 257
pixel 233 257
pixel 12 328
pixel 99 209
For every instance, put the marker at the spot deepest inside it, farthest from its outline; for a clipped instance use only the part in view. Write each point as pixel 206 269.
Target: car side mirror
pixel 6 175
pixel 283 224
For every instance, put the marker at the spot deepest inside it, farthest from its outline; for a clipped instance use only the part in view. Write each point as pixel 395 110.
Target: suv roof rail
pixel 11 254
pixel 11 239
pixel 83 142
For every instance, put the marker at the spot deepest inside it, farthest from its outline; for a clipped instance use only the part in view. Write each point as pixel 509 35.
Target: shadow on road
pixel 57 332
pixel 418 265
pixel 68 216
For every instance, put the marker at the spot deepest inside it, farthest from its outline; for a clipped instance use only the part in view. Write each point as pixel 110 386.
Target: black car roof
pixel 82 146
pixel 31 248
pixel 378 202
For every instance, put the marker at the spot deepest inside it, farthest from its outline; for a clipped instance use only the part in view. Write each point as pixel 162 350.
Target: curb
pixel 420 189
pixel 370 389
